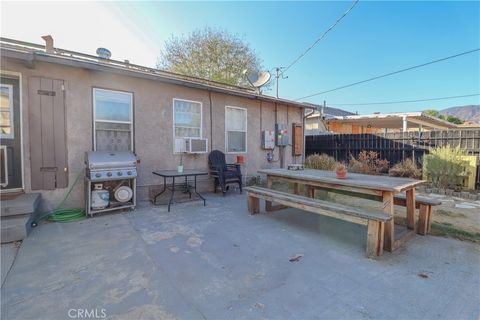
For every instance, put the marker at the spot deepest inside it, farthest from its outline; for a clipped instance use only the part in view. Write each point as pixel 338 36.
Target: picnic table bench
pixel 389 190
pixel 424 204
pixel 374 221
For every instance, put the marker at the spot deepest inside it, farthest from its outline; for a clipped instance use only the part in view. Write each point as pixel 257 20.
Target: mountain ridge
pixel 466 113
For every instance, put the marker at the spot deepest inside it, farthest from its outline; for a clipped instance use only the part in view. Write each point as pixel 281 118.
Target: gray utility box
pixel 281 134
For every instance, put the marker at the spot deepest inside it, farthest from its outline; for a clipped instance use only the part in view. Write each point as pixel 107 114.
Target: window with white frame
pixel 187 119
pixel 6 111
pixel 113 120
pixel 235 129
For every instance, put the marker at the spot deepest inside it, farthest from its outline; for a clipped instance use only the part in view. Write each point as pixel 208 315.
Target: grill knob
pixel 119 173
pixel 129 172
pixel 109 174
pixel 98 175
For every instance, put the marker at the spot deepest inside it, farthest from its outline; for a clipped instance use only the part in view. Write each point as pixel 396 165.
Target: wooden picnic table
pixel 355 184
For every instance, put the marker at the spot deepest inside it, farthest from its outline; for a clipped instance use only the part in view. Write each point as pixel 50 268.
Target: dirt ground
pixel 455 217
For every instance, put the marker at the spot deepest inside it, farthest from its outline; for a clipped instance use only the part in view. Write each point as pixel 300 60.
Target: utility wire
pixel 321 37
pixel 389 74
pixel 404 101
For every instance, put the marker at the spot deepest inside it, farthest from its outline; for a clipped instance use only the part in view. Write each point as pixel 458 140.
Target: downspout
pixel 261 122
pixel 211 120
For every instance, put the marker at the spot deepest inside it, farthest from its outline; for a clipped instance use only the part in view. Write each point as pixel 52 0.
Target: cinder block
pixel 472 196
pixel 465 195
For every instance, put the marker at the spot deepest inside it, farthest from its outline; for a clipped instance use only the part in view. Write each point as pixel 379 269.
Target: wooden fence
pixel 393 146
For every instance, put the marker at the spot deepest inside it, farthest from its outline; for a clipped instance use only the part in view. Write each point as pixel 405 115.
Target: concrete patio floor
pixel 218 262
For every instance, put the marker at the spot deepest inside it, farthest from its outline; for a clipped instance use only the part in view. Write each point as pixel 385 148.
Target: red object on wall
pixel 241 159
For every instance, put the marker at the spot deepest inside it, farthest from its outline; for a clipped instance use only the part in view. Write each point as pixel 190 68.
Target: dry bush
pixel 320 162
pixel 367 162
pixel 407 168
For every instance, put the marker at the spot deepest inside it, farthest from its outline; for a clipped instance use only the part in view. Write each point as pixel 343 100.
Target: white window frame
pixel 17 76
pixel 201 117
pixel 246 131
pixel 112 121
pixel 11 135
pixel 173 121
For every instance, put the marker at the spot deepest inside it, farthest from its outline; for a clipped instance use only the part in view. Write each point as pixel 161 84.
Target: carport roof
pixel 395 120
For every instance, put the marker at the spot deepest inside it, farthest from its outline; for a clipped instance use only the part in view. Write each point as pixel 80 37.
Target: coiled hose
pixel 60 214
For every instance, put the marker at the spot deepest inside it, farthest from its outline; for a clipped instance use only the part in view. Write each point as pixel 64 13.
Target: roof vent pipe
pixel 48 43
pixel 104 53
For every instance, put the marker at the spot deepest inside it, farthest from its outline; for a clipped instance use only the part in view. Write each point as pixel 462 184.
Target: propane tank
pixel 100 199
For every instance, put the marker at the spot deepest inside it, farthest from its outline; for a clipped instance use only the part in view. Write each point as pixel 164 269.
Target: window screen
pixel 187 119
pixel 236 129
pixel 113 124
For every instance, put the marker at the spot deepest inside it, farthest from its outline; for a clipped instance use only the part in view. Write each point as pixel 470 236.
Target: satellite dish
pixel 257 79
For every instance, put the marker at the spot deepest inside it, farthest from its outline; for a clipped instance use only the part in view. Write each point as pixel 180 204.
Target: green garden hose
pixel 66 214
pixel 60 214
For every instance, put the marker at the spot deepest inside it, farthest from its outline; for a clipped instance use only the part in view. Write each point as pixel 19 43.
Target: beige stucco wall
pixel 153 116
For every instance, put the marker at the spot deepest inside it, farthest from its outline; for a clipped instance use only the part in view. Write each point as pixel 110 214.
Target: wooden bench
pixel 425 213
pixel 375 221
pixel 424 204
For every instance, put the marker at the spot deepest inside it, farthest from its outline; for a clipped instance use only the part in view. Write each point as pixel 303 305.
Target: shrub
pixel 445 167
pixel 320 161
pixel 407 168
pixel 340 167
pixel 367 162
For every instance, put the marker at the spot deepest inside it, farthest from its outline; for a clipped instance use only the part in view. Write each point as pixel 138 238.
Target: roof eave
pixel 31 56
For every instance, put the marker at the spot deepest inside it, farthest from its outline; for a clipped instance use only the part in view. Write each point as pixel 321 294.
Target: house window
pixel 6 111
pixel 113 120
pixel 187 119
pixel 235 129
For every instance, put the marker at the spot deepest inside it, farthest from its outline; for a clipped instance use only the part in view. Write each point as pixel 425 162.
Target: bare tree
pixel 210 54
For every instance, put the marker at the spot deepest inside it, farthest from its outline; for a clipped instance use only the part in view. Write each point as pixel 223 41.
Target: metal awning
pixel 402 120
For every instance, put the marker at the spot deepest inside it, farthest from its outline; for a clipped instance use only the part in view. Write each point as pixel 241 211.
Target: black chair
pixel 223 173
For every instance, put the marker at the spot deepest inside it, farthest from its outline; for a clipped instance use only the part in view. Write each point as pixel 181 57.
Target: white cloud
pixel 79 26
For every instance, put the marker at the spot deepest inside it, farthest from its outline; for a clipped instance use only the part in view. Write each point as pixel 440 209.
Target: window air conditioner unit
pixel 191 145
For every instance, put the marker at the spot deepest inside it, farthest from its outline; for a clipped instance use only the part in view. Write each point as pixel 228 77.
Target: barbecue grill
pixel 110 182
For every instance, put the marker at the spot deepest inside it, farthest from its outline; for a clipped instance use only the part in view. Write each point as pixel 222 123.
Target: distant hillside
pixel 468 113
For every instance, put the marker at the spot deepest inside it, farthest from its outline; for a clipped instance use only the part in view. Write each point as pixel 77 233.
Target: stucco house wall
pixel 153 125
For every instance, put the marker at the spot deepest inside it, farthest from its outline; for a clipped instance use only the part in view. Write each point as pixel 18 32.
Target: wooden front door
pixel 11 145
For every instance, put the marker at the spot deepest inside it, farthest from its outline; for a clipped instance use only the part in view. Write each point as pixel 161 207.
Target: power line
pixel 321 37
pixel 404 101
pixel 389 74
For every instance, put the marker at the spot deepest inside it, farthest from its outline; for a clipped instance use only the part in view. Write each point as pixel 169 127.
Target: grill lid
pixel 110 159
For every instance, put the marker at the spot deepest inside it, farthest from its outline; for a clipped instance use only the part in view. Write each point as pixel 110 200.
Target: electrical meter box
pixel 281 134
pixel 268 140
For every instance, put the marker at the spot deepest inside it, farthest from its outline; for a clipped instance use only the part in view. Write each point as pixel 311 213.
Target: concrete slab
pixel 219 262
pixel 25 203
pixel 8 253
pixel 14 228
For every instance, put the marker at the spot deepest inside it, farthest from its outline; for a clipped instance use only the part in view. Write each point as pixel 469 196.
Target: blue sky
pixel 377 37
